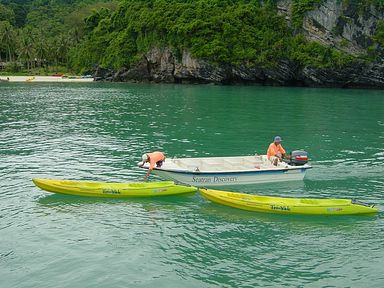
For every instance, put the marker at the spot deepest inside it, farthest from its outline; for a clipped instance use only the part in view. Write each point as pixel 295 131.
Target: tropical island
pixel 314 43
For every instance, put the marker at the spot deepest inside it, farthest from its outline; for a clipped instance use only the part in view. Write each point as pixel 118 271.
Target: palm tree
pixel 75 35
pixel 7 36
pixel 26 51
pixel 52 53
pixel 62 49
pixel 41 52
pixel 40 46
pixel 1 48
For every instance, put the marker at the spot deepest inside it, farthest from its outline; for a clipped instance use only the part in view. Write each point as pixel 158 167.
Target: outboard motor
pixel 298 158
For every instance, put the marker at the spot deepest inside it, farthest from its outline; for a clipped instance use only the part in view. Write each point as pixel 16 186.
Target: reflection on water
pixel 55 200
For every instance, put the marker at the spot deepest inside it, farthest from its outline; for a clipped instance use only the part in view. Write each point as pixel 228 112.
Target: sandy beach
pixel 44 79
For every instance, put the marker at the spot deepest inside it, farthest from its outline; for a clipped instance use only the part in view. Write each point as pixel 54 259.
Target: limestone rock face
pixel 284 74
pixel 101 74
pixel 342 26
pixel 160 64
pixel 284 8
pixel 138 73
pixel 190 69
pixel 372 76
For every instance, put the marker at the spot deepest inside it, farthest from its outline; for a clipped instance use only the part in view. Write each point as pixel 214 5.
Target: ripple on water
pixel 98 132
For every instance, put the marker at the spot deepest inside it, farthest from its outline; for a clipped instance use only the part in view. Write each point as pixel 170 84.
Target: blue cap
pixel 277 139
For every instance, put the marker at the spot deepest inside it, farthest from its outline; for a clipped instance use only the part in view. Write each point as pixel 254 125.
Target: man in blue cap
pixel 275 151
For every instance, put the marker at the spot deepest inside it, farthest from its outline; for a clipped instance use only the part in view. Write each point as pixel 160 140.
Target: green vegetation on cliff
pixel 300 7
pixel 83 34
pixel 220 31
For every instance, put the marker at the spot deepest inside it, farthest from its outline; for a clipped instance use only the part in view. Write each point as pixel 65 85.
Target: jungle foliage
pixel 220 31
pixel 38 34
pixel 83 34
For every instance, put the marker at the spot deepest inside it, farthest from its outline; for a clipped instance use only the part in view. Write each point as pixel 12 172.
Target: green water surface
pixel 99 131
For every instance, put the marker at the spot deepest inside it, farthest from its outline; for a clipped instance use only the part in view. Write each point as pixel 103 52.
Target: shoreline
pixel 88 79
pixel 31 79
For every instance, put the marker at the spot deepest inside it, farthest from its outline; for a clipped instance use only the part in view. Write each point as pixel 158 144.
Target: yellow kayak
pixel 306 206
pixel 112 190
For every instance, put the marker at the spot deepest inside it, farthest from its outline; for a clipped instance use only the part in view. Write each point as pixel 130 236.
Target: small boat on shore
pixel 303 206
pixel 238 170
pixel 112 190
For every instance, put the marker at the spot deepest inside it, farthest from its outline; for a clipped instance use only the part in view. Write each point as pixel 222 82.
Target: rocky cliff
pixel 336 24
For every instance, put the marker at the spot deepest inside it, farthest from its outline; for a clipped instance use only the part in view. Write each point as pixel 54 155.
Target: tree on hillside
pixel 8 38
pixel 63 46
pixel 7 14
pixel 41 32
pixel 40 48
pixel 26 52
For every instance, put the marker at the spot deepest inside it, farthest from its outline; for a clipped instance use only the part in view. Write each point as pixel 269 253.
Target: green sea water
pixel 99 131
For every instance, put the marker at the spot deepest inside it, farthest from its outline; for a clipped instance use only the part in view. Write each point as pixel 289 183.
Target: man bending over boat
pixel 155 158
pixel 276 152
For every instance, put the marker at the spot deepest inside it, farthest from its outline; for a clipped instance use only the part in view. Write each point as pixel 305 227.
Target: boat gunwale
pixel 231 172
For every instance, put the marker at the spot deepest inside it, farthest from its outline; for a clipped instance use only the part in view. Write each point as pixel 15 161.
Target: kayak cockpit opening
pixel 357 202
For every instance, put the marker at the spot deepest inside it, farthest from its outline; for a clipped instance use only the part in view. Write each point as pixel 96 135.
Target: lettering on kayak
pixel 215 179
pixel 159 190
pixel 334 209
pixel 111 191
pixel 282 208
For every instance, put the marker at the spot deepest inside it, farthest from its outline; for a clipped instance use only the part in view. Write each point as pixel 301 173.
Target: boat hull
pixel 280 205
pixel 201 179
pixel 233 170
pixel 112 190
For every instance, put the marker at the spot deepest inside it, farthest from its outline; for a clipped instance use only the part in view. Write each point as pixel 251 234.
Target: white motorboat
pixel 237 170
